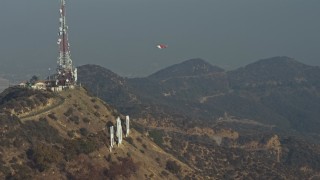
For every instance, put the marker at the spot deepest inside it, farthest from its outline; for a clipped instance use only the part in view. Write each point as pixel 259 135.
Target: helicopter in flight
pixel 161 46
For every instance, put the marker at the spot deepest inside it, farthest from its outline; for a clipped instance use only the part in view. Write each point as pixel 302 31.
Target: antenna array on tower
pixel 66 73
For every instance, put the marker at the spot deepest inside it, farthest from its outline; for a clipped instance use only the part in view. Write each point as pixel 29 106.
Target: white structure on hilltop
pixel 127 125
pixel 39 85
pixel 111 137
pixel 119 131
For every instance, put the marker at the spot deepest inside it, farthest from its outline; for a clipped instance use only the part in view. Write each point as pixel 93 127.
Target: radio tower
pixel 66 74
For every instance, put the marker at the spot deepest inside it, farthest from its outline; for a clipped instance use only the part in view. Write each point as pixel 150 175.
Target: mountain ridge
pixel 209 95
pixel 276 70
pixel 191 67
pixel 200 126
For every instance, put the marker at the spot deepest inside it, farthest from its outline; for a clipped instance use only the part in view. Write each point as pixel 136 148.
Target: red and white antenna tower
pixel 66 74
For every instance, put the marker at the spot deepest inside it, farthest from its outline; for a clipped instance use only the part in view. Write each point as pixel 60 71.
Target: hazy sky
pixel 121 35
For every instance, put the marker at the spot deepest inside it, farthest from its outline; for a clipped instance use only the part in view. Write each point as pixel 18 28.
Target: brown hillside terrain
pixel 225 153
pixel 256 122
pixel 66 137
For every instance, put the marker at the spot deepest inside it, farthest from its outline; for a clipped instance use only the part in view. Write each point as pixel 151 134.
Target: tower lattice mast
pixel 66 74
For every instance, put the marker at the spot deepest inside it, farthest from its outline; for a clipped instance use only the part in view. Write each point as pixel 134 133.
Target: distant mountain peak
pixel 195 61
pixel 191 67
pixel 98 73
pixel 96 68
pixel 276 71
pixel 277 62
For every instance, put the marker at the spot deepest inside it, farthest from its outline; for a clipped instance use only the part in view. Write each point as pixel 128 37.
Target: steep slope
pixel 68 138
pixel 108 86
pixel 232 130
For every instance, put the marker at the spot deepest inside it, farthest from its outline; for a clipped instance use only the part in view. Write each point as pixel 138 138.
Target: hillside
pixel 210 128
pixel 286 87
pixel 65 136
pixel 189 81
pixel 278 91
pixel 247 123
pixel 108 86
pixel 276 71
pixel 192 67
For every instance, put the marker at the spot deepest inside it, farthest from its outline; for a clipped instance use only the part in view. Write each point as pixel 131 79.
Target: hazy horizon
pixel 122 35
